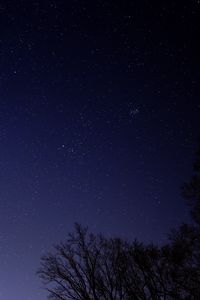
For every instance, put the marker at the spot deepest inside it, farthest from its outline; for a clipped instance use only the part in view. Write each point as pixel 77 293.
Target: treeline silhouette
pixel 92 267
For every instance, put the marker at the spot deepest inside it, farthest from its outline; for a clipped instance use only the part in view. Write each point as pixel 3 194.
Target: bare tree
pixel 86 266
pixel 93 267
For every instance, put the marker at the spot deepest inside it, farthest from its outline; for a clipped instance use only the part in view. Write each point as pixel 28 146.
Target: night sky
pixel 99 121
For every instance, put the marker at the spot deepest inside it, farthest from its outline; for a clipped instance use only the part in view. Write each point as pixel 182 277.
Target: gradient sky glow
pixel 99 120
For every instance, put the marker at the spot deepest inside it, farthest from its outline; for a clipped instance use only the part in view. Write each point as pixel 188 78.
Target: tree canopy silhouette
pixel 89 266
pixel 92 267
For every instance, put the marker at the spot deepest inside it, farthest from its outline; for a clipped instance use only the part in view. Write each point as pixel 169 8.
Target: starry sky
pixel 99 121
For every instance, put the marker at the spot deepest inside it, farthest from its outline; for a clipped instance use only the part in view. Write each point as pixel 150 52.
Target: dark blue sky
pixel 99 120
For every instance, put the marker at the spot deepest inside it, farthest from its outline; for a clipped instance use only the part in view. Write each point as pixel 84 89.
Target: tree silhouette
pixel 184 246
pixel 89 266
pixel 86 266
pixel 92 267
pixel 184 261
